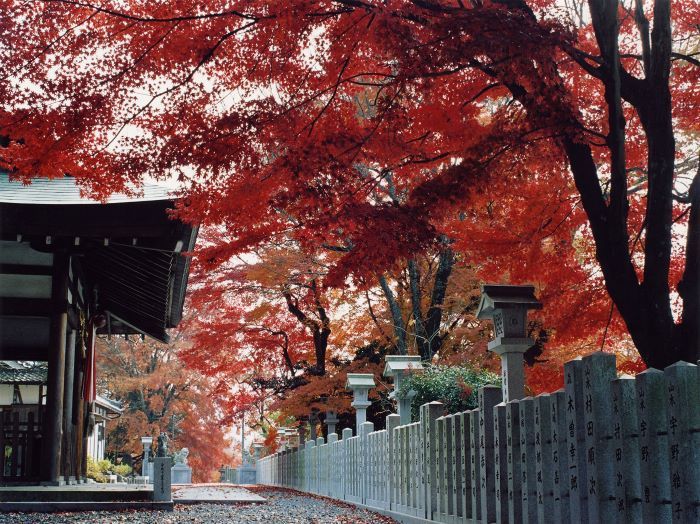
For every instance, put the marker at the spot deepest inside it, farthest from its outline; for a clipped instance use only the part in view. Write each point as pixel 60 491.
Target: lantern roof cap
pixel 360 380
pixel 500 296
pixel 398 363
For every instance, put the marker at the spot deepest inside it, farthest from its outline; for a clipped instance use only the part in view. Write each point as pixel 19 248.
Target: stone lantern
pixel 331 421
pixel 313 421
pixel 507 306
pixel 284 434
pixel 301 430
pixel 399 367
pixel 147 442
pixel 257 450
pixel 360 384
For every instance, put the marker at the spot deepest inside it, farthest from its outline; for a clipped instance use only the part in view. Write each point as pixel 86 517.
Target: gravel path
pixel 282 507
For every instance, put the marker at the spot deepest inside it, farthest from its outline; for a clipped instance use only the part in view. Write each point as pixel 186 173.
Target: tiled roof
pixel 17 374
pixel 65 191
pixel 109 405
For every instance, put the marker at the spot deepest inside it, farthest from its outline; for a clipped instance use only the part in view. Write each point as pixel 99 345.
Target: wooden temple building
pixel 73 269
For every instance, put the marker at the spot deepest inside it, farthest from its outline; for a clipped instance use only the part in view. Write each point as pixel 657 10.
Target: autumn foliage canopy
pixel 359 166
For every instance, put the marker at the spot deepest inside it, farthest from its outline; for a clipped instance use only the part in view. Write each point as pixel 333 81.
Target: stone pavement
pixel 214 493
pixel 280 507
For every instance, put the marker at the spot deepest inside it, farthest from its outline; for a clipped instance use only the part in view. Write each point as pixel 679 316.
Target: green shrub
pixel 98 470
pixel 94 471
pixel 455 386
pixel 105 466
pixel 122 469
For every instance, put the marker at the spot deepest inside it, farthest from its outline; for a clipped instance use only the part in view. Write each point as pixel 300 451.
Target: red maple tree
pixel 285 118
pixel 159 395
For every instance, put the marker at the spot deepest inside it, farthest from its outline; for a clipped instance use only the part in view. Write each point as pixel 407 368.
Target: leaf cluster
pixel 455 386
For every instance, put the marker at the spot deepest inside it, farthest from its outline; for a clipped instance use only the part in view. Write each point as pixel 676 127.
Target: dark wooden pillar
pixel 79 419
pixel 53 427
pixel 69 467
pixel 87 408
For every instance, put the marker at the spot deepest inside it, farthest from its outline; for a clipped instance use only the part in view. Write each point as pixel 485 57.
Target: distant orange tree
pixel 160 395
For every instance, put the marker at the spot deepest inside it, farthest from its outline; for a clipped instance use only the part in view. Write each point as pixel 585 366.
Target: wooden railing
pixel 603 449
pixel 20 444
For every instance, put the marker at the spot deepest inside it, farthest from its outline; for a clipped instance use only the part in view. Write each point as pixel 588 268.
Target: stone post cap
pixel 499 296
pixel 146 441
pixel 396 364
pixel 360 381
pixel 501 345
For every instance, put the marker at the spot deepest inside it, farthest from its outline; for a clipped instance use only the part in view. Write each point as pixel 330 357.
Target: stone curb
pixel 52 507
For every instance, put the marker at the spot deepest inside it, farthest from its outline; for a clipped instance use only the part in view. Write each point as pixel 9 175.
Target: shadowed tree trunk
pixel 427 327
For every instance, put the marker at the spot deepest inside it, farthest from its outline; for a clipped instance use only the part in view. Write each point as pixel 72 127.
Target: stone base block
pixel 181 474
pixel 247 475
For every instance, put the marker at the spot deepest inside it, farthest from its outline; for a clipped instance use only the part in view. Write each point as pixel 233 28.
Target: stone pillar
pixel 360 384
pixel 53 429
pixel 331 421
pixel 161 479
pixel 507 306
pixel 146 442
pixel 512 367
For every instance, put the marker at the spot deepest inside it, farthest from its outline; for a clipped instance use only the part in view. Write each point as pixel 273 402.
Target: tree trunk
pixel 427 330
pixel 687 335
pixel 398 325
pixel 421 336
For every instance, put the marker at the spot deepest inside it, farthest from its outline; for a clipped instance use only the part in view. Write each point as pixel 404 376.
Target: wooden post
pixel 79 421
pixel 51 446
pixel 69 460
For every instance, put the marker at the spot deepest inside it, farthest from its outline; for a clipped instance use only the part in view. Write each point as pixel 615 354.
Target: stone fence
pixel 603 449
